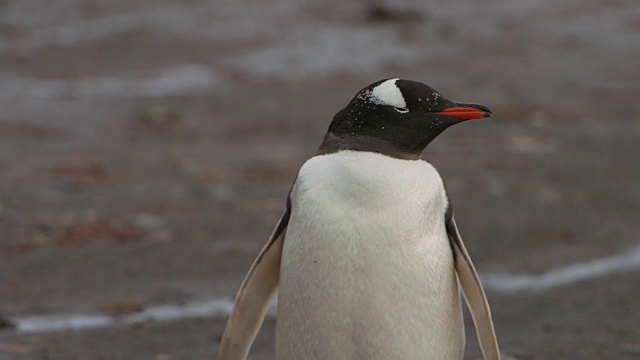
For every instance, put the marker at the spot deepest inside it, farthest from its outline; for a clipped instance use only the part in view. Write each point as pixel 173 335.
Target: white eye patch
pixel 387 93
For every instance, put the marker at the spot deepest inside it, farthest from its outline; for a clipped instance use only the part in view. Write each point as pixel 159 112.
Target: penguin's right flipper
pixel 473 292
pixel 254 296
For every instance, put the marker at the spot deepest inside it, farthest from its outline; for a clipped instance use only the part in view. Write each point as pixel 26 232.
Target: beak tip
pixel 486 112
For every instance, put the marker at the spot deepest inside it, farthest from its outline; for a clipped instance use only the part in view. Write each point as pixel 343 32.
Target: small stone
pixel 83 172
pixel 123 307
pixel 158 117
pixel 6 323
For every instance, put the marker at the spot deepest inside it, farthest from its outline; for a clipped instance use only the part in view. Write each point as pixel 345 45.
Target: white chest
pixel 367 269
pixel 354 191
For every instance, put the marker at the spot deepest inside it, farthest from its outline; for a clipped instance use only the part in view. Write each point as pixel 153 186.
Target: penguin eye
pixel 401 110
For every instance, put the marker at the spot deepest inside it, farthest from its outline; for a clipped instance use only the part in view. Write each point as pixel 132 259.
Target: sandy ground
pixel 146 148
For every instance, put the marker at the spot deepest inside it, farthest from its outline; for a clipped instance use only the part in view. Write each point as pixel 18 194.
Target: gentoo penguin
pixel 367 256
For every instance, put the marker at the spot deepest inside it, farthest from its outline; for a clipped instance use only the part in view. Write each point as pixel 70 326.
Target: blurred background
pixel 147 146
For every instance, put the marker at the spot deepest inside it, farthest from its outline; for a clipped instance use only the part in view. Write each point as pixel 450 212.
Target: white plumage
pixel 387 93
pixel 367 269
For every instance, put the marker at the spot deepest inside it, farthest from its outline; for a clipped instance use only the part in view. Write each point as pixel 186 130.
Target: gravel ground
pixel 146 148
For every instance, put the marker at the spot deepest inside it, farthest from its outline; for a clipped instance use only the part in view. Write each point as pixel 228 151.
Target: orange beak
pixel 466 111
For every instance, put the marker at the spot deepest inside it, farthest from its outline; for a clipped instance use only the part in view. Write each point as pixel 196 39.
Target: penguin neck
pixel 369 132
pixel 333 143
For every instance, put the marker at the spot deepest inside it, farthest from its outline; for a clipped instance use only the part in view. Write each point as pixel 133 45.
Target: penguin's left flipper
pixel 473 292
pixel 254 296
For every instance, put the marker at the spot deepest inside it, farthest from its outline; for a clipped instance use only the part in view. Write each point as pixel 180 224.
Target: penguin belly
pixel 367 271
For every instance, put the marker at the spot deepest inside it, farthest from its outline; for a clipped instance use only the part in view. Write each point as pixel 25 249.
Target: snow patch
pixel 185 80
pixel 214 308
pixel 221 307
pixel 564 276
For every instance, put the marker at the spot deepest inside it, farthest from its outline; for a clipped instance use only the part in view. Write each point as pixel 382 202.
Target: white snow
pixel 178 81
pixel 563 276
pixel 214 308
pixel 221 307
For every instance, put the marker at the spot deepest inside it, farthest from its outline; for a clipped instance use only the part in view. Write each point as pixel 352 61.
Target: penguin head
pixel 396 117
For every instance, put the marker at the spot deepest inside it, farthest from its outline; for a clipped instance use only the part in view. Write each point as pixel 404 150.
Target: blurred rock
pixel 122 307
pixel 6 323
pixel 80 234
pixel 158 118
pixel 86 173
pixel 148 221
pixel 379 12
